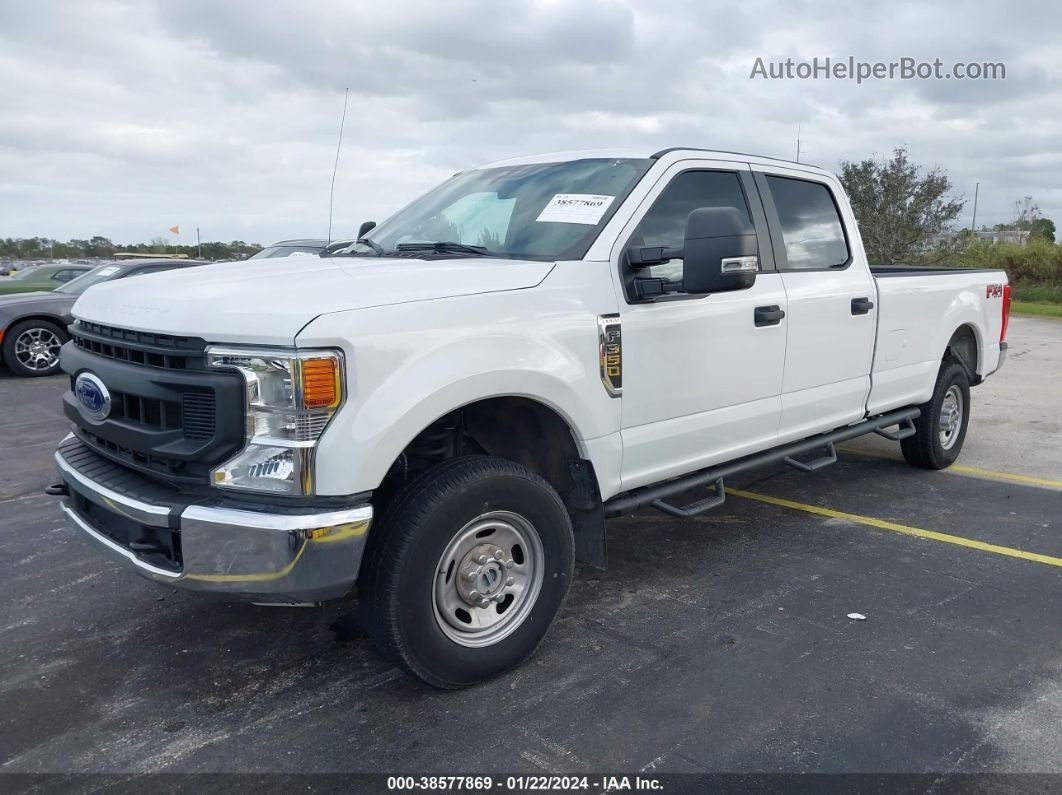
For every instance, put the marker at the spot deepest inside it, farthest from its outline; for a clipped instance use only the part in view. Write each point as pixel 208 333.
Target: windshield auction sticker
pixel 575 208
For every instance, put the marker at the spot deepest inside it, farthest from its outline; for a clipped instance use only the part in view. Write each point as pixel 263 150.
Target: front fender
pixel 463 351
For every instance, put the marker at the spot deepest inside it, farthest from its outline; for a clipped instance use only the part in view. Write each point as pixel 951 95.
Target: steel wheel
pixel 37 349
pixel 488 579
pixel 951 410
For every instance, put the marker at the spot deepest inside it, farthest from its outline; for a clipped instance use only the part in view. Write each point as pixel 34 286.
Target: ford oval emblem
pixel 93 396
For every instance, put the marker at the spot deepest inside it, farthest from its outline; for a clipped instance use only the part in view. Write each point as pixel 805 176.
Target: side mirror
pixel 720 252
pixel 365 228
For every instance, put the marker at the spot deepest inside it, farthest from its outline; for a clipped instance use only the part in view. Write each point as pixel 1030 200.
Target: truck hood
pixel 269 301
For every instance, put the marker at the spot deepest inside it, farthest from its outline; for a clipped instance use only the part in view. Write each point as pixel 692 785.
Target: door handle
pixel 860 306
pixel 768 315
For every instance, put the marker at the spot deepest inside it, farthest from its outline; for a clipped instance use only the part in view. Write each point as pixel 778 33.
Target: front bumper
pixel 254 553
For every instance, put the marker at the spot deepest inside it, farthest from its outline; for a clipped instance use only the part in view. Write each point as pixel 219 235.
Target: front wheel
pixel 467 570
pixel 941 429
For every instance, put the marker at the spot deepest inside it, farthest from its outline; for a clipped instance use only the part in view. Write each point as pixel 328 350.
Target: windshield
pixel 287 251
pixel 104 273
pixel 25 273
pixel 539 211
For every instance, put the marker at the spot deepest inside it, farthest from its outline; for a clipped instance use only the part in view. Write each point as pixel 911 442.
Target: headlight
pixel 291 396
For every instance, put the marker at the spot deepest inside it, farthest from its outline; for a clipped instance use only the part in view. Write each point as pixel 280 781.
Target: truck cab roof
pixel 644 154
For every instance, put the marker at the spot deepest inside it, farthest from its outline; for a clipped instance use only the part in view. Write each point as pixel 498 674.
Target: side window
pixel 811 226
pixel 63 276
pixel 665 223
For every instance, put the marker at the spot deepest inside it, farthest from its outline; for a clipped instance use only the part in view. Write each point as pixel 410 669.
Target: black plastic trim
pixel 188 349
pixel 885 272
pixel 670 149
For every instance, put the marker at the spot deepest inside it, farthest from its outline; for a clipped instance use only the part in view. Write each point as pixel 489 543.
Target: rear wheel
pixel 31 348
pixel 467 570
pixel 941 429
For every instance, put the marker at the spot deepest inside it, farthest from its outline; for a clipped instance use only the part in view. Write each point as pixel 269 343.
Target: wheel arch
pixel 517 428
pixel 55 320
pixel 964 347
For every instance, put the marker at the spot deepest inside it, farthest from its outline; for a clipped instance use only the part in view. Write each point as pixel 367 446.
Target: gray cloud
pixel 123 118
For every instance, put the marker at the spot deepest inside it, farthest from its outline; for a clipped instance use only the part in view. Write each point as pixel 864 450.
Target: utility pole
pixel 798 144
pixel 198 243
pixel 973 225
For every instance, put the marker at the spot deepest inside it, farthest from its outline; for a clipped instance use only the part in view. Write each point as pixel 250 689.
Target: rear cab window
pixel 813 235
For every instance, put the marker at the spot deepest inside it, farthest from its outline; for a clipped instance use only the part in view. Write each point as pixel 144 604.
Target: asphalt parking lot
pixel 715 644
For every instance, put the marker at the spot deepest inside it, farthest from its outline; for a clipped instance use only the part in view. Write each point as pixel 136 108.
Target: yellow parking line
pixel 881 524
pixel 962 469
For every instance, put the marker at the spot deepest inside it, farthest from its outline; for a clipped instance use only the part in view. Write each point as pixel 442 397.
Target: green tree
pixel 900 206
pixel 1043 229
pixel 99 246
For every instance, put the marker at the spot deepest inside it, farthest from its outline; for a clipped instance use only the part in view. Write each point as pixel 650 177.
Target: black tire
pixel 404 568
pixel 11 353
pixel 926 449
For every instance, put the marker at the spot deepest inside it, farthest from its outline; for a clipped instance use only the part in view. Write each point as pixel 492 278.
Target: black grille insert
pixel 200 415
pixel 152 413
pixel 151 462
pixel 139 347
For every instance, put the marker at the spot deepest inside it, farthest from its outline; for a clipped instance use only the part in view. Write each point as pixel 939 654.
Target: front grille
pixel 139 347
pixel 170 416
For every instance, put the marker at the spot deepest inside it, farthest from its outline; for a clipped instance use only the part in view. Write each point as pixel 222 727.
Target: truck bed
pixel 917 318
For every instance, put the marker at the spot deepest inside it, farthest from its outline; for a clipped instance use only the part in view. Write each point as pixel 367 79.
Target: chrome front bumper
pixel 259 556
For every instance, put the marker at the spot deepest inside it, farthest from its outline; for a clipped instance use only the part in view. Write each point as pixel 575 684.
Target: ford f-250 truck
pixel 446 413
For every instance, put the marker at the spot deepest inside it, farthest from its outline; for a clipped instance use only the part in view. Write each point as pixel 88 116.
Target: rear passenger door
pixel 831 314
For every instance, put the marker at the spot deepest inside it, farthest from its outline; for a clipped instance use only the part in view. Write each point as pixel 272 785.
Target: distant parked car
pixel 33 325
pixel 44 277
pixel 304 247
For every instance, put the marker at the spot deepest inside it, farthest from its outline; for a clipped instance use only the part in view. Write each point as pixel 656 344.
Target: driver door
pixel 702 374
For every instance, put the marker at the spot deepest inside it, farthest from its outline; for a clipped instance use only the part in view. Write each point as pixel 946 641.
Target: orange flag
pixel 176 229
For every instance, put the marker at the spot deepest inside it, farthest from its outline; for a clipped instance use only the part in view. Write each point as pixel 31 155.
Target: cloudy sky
pixel 124 118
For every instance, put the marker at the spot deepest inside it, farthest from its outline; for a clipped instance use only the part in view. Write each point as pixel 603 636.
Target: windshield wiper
pixel 444 247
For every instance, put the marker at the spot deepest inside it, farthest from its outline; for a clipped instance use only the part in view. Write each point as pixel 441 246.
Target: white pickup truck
pixel 446 412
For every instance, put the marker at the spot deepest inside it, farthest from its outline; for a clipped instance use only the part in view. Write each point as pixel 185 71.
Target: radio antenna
pixel 335 168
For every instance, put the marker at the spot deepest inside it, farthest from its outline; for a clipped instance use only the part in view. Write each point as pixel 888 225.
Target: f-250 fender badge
pixel 610 354
pixel 994 291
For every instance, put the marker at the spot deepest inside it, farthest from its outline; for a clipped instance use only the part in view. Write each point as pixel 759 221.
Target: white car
pixel 446 415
